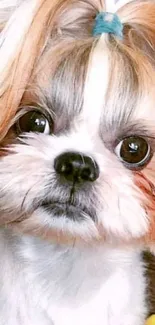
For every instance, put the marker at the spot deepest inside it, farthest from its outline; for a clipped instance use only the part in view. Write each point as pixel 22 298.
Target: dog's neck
pixel 68 282
pixel 70 268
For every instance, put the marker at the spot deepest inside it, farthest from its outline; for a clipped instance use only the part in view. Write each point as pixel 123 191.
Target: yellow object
pixel 151 320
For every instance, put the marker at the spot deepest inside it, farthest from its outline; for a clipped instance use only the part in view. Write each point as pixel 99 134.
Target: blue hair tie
pixel 109 23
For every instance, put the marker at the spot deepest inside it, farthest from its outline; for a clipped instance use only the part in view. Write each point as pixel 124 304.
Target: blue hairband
pixel 109 23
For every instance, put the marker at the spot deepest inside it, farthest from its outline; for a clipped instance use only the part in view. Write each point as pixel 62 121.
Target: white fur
pixel 96 85
pixel 47 284
pixel 94 282
pixel 114 182
pixel 58 284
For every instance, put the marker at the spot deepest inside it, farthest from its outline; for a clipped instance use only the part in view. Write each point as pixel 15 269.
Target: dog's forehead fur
pixel 111 84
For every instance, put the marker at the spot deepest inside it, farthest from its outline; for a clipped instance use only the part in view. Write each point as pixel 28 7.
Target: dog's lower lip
pixel 54 203
pixel 70 210
pixel 66 205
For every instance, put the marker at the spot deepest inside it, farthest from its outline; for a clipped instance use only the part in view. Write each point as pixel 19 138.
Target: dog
pixel 77 195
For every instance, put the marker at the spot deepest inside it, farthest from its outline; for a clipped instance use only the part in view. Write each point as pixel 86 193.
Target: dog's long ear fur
pixel 22 40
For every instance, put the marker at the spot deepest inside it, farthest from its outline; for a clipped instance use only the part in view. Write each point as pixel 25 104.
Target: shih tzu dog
pixel 77 185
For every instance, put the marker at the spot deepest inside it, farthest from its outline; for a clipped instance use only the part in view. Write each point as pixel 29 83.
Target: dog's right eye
pixel 34 122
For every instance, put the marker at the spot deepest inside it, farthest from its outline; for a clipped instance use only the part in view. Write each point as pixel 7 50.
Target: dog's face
pixel 82 167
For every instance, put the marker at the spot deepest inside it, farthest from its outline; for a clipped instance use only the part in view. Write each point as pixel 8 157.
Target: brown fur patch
pixel 148 189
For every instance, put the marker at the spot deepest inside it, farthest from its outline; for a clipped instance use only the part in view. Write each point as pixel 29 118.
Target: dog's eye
pixel 34 122
pixel 134 151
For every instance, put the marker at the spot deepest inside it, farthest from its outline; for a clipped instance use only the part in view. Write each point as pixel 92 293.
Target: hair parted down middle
pixel 56 36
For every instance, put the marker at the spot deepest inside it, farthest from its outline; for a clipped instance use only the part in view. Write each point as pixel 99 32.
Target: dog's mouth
pixel 68 210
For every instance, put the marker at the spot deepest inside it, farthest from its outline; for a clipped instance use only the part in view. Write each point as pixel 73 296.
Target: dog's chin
pixel 66 222
pixel 60 222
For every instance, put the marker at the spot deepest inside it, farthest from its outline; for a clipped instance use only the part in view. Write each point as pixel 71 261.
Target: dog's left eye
pixel 34 122
pixel 134 151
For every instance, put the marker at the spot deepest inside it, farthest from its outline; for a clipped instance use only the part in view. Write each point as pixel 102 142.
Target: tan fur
pixel 139 26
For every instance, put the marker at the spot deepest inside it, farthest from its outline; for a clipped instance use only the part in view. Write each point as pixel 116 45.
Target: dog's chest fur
pixel 43 284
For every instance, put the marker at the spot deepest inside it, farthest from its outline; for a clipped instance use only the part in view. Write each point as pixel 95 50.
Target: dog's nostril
pixel 76 167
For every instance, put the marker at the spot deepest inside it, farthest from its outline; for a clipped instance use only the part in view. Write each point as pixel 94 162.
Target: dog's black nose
pixel 76 167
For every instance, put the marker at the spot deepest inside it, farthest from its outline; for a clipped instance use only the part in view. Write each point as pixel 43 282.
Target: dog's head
pixel 77 121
